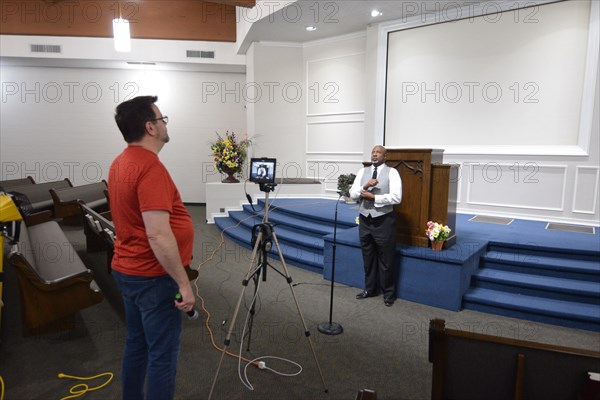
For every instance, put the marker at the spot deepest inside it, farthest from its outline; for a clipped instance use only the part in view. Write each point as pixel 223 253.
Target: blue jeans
pixel 153 336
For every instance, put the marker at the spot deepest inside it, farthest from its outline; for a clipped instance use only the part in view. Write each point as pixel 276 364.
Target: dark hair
pixel 131 117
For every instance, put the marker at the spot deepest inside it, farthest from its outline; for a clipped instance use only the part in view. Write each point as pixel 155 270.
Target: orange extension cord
pixel 206 323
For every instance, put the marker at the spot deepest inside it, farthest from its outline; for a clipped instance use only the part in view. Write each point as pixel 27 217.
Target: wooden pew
pixel 101 226
pixel 99 232
pixel 469 365
pixel 7 185
pixel 35 199
pixel 66 200
pixel 53 281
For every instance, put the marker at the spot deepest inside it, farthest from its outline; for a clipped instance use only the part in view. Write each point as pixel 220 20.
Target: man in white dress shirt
pixel 378 188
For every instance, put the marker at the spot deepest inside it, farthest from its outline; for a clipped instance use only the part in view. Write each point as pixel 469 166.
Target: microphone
pixel 192 314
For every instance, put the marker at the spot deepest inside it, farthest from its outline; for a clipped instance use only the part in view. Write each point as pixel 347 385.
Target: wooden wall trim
pixel 149 19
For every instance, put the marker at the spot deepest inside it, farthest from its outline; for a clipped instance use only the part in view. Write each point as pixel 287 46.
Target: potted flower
pixel 229 155
pixel 344 184
pixel 437 234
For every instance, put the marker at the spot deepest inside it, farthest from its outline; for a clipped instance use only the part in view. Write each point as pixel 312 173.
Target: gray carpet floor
pixel 383 349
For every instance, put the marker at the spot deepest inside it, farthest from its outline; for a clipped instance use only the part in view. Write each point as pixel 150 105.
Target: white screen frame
pixel 587 100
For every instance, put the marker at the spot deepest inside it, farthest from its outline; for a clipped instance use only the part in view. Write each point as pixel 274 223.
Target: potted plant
pixel 229 155
pixel 344 184
pixel 437 234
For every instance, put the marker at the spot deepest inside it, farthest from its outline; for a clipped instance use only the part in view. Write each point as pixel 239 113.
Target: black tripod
pixel 264 231
pixel 265 238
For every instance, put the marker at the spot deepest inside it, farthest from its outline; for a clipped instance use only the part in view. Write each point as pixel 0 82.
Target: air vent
pixel 200 54
pixel 570 228
pixel 140 63
pixel 491 220
pixel 45 48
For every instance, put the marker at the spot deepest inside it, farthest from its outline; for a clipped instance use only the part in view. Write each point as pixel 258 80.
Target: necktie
pixel 374 173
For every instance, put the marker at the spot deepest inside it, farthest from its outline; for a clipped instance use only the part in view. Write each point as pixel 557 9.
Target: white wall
pixel 101 51
pixel 58 123
pixel 335 107
pixel 275 106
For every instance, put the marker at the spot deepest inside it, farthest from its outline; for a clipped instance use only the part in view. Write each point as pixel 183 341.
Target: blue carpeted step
pixel 534 251
pixel 311 260
pixel 538 285
pixel 319 210
pixel 232 229
pixel 280 218
pixel 285 234
pixel 564 266
pixel 560 309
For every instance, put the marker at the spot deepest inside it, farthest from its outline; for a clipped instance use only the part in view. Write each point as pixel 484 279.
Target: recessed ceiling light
pixel 311 28
pixel 376 13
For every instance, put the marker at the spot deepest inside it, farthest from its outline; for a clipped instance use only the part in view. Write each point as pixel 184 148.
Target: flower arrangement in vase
pixel 229 155
pixel 437 234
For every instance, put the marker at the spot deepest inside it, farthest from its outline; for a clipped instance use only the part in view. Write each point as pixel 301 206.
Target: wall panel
pixel 585 193
pixel 335 137
pixel 529 185
pixel 335 84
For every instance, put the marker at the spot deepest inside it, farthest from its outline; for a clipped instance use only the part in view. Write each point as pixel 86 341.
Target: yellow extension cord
pixel 75 391
pixel 82 388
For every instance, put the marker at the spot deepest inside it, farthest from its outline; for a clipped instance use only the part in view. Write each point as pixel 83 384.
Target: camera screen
pixel 262 170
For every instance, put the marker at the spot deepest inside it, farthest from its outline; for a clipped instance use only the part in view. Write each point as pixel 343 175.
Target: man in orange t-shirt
pixel 154 241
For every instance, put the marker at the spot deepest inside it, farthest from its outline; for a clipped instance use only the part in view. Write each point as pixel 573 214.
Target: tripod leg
pixel 235 312
pixel 256 279
pixel 306 331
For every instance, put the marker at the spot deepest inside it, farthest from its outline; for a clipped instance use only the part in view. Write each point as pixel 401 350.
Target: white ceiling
pixel 334 18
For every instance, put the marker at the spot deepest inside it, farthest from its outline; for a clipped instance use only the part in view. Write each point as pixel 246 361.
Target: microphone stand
pixel 332 328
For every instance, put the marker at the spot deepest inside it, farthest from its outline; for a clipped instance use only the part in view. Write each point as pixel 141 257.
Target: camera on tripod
pixel 262 171
pixel 264 239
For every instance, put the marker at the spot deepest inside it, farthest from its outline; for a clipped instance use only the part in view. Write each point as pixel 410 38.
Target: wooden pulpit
pixel 429 190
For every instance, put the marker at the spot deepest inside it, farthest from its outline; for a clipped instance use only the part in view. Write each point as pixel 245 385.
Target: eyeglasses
pixel 164 119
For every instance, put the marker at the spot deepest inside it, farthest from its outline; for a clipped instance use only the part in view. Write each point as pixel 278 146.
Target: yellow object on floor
pixel 82 388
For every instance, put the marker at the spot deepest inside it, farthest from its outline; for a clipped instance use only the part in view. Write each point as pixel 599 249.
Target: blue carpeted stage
pixel 521 270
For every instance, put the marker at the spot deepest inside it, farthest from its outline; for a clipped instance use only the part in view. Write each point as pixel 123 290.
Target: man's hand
pixel 371 183
pixel 187 298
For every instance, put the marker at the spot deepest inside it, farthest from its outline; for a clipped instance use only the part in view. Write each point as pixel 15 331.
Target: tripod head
pixel 267 187
pixel 266 239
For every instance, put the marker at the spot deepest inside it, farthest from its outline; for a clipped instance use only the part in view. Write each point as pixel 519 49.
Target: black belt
pixel 370 219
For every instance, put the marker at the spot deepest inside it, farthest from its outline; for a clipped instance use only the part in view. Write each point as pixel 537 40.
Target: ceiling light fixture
pixel 121 35
pixel 311 28
pixel 376 13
